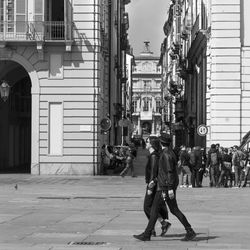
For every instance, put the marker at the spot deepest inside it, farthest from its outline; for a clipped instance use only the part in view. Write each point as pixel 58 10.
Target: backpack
pixel 214 159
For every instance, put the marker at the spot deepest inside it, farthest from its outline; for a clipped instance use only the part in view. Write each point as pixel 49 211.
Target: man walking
pixel 167 181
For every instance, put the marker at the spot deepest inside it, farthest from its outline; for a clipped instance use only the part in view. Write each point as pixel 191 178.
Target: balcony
pixel 35 31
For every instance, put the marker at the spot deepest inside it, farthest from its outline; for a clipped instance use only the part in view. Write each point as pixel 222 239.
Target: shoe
pixel 244 185
pixel 141 237
pixel 153 233
pixel 165 227
pixel 190 235
pixel 181 186
pixel 190 186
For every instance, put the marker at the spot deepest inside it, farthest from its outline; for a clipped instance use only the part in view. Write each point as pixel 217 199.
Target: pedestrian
pixel 129 162
pixel 202 170
pixel 196 166
pixel 184 167
pixel 247 168
pixel 213 163
pixel 226 169
pixel 151 171
pixel 238 165
pixel 167 182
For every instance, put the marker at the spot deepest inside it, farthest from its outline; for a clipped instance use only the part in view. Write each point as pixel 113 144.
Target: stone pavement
pixel 103 212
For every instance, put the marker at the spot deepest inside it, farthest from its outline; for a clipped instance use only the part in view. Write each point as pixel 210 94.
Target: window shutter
pixel 21 15
pixel 38 15
pixel 68 10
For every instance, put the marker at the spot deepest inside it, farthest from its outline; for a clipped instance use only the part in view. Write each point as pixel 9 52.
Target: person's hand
pixel 171 194
pixel 151 184
pixel 164 195
pixel 149 192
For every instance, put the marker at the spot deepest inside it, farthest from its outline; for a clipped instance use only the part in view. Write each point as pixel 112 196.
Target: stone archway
pixel 21 62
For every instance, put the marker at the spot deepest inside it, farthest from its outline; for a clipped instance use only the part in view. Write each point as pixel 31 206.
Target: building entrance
pixel 15 121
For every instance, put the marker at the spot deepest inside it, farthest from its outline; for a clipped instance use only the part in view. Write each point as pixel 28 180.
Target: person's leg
pixel 212 169
pixel 174 209
pixel 153 214
pixel 222 173
pixel 188 174
pixel 246 176
pixel 181 177
pixel 236 176
pixel 147 204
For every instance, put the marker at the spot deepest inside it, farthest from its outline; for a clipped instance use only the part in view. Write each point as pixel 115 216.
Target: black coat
pixel 167 174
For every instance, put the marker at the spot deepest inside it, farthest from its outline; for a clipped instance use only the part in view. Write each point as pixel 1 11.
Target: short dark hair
pixel 155 143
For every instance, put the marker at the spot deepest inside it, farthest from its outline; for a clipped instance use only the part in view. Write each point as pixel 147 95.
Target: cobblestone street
pixel 58 212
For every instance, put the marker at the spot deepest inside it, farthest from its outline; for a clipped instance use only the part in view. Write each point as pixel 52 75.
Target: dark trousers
pixel 214 175
pixel 172 204
pixel 195 177
pixel 148 202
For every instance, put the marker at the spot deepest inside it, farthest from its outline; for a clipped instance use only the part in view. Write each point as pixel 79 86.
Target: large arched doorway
pixel 15 120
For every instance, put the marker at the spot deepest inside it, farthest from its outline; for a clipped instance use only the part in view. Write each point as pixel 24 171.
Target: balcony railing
pixel 35 31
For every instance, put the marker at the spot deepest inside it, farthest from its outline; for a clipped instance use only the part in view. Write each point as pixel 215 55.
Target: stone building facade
pixel 62 61
pixel 211 54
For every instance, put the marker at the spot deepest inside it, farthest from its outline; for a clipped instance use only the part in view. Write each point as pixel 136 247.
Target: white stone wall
pixel 225 90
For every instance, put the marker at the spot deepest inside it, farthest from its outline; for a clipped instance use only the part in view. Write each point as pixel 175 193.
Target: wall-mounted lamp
pixel 4 90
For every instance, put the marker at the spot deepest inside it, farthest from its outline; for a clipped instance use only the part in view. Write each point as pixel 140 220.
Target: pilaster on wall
pixel 225 90
pixel 245 81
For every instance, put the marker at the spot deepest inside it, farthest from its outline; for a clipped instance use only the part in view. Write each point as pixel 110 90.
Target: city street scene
pixel 124 124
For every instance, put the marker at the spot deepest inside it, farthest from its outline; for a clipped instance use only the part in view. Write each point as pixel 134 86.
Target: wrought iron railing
pixel 35 31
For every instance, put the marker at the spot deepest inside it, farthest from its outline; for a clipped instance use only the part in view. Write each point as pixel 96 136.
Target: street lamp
pixel 4 90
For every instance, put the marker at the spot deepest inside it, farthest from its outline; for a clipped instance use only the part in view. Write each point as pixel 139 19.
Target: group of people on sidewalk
pixel 162 180
pixel 225 167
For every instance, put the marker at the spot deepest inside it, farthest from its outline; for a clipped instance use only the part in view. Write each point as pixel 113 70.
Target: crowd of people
pixel 225 167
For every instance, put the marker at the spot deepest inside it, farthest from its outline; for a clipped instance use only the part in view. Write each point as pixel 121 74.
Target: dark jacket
pixel 212 150
pixel 167 172
pixel 151 170
pixel 184 158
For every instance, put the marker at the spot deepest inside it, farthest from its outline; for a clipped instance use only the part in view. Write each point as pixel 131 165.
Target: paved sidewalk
pixel 103 212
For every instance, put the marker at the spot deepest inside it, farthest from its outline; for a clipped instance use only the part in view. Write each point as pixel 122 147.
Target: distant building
pixel 146 98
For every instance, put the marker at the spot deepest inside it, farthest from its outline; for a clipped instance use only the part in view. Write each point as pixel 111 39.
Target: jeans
pixel 186 172
pixel 172 204
pixel 214 175
pixel 237 173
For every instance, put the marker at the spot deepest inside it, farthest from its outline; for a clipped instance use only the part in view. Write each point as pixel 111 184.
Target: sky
pixel 146 20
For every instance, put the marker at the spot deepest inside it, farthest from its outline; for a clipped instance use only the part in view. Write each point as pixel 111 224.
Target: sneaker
pixel 190 235
pixel 190 186
pixel 181 186
pixel 165 227
pixel 141 237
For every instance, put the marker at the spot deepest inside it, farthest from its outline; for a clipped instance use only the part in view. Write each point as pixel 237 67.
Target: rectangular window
pixel 56 67
pixel 55 128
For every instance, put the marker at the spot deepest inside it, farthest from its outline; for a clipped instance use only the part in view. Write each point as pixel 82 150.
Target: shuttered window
pixel 21 15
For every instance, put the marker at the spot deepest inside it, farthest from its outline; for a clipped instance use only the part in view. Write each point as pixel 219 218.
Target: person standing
pixel 151 171
pixel 167 182
pixel 213 163
pixel 238 165
pixel 129 163
pixel 185 170
pixel 247 169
